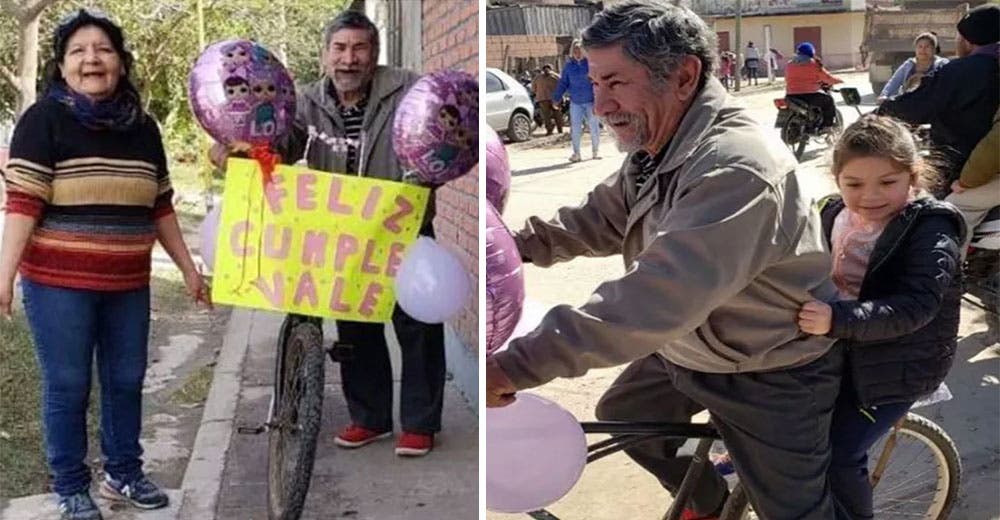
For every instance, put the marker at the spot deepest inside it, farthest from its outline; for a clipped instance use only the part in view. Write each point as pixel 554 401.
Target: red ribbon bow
pixel 267 160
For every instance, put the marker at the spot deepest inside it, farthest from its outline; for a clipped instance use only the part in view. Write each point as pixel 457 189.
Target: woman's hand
pixel 197 289
pixel 816 318
pixel 6 298
pixel 956 187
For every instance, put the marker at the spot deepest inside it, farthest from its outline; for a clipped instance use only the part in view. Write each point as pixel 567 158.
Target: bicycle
pixel 904 487
pixel 295 412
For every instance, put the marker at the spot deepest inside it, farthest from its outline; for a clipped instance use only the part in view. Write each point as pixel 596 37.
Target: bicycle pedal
pixel 251 430
pixel 341 351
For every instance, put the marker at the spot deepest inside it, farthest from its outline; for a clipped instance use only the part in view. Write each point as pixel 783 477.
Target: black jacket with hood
pixel 901 332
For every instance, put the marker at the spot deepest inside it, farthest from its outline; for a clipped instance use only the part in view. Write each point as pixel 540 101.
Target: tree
pixel 26 16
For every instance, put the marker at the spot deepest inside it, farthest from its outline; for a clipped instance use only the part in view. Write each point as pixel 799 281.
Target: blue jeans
pixel 851 435
pixel 68 326
pixel 577 113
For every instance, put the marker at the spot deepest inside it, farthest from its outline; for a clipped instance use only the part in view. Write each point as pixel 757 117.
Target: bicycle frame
pixel 627 434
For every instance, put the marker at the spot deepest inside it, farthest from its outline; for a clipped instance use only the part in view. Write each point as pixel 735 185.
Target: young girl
pixel 896 265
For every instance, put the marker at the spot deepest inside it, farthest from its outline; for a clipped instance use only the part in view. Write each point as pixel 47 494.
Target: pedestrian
pixel 752 62
pixel 908 76
pixel 575 81
pixel 896 264
pixel 88 195
pixel 344 124
pixel 725 69
pixel 543 86
pixel 709 218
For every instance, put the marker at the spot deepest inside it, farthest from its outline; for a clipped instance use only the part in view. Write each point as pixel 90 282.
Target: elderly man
pixel 543 86
pixel 721 249
pixel 344 124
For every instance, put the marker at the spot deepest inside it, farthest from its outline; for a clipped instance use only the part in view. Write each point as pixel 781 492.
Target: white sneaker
pixel 574 158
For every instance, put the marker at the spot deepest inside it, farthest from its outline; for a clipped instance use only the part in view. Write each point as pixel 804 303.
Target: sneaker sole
pixel 344 443
pixel 412 452
pixel 110 493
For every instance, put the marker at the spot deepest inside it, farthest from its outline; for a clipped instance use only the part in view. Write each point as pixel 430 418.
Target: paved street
pixel 614 488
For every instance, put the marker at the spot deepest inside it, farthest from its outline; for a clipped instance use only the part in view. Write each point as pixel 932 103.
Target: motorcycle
pixel 799 121
pixel 982 263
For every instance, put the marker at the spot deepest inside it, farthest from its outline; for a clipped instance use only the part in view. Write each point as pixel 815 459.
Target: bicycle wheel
pixel 921 473
pixel 298 407
pixel 916 472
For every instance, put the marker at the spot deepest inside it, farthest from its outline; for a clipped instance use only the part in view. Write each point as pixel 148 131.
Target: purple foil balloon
pixel 497 170
pixel 240 92
pixel 436 130
pixel 504 282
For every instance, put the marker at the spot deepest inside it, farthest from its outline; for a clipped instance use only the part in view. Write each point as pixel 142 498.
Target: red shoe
pixel 414 445
pixel 689 514
pixel 355 436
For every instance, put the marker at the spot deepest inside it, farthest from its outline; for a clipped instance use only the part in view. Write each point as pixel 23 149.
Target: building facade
pixel 834 27
pixel 446 37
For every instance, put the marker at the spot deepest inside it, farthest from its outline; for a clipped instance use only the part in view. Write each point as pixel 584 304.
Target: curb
pixel 203 477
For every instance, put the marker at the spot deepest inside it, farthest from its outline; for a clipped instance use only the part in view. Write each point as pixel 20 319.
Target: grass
pixel 23 470
pixel 195 388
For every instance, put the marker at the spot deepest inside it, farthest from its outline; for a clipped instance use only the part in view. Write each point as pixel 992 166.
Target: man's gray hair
pixel 656 34
pixel 351 19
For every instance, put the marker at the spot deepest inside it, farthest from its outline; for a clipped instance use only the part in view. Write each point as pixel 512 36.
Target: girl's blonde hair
pixel 882 136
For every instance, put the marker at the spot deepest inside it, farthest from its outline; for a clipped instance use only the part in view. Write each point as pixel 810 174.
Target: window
pixel 493 83
pixel 393 33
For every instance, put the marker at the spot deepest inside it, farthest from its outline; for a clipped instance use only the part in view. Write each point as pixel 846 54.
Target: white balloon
pixel 432 286
pixel 535 453
pixel 208 237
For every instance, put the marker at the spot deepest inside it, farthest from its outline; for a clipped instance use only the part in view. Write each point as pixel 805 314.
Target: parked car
pixel 509 109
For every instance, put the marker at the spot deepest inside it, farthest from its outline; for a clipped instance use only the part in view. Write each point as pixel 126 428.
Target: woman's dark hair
pixel 885 137
pixel 76 21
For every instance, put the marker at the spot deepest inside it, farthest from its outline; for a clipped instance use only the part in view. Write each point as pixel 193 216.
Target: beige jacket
pixel 721 249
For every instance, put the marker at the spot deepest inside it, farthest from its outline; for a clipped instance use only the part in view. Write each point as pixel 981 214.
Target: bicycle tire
pixel 297 412
pixel 738 504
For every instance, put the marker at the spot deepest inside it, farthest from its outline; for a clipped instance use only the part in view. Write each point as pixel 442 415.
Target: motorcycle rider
pixel 804 75
pixel 960 99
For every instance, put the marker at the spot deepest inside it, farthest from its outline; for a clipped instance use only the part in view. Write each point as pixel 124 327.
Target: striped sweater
pixel 96 195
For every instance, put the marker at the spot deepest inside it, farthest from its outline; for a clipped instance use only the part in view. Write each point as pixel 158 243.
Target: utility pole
pixel 739 45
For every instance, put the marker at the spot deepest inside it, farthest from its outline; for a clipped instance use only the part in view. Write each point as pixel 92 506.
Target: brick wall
pixel 451 41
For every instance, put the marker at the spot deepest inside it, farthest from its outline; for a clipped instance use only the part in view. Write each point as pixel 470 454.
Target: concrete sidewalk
pixel 228 475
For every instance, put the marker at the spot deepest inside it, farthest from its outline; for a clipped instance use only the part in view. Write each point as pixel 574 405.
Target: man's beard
pixel 351 82
pixel 638 125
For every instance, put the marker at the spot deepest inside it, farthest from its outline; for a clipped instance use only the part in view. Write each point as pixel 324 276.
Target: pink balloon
pixel 436 129
pixel 240 92
pixel 208 232
pixel 504 282
pixel 535 453
pixel 497 170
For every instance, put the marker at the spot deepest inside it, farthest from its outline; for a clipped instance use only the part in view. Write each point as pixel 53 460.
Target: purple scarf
pixel 118 113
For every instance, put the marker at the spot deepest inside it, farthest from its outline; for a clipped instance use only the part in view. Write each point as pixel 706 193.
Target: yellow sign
pixel 312 242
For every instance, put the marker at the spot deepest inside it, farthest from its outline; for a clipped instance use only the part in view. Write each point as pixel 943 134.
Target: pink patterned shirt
pixel 853 243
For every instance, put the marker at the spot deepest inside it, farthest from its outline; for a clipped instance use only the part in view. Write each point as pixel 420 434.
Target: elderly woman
pixel 907 77
pixel 88 194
